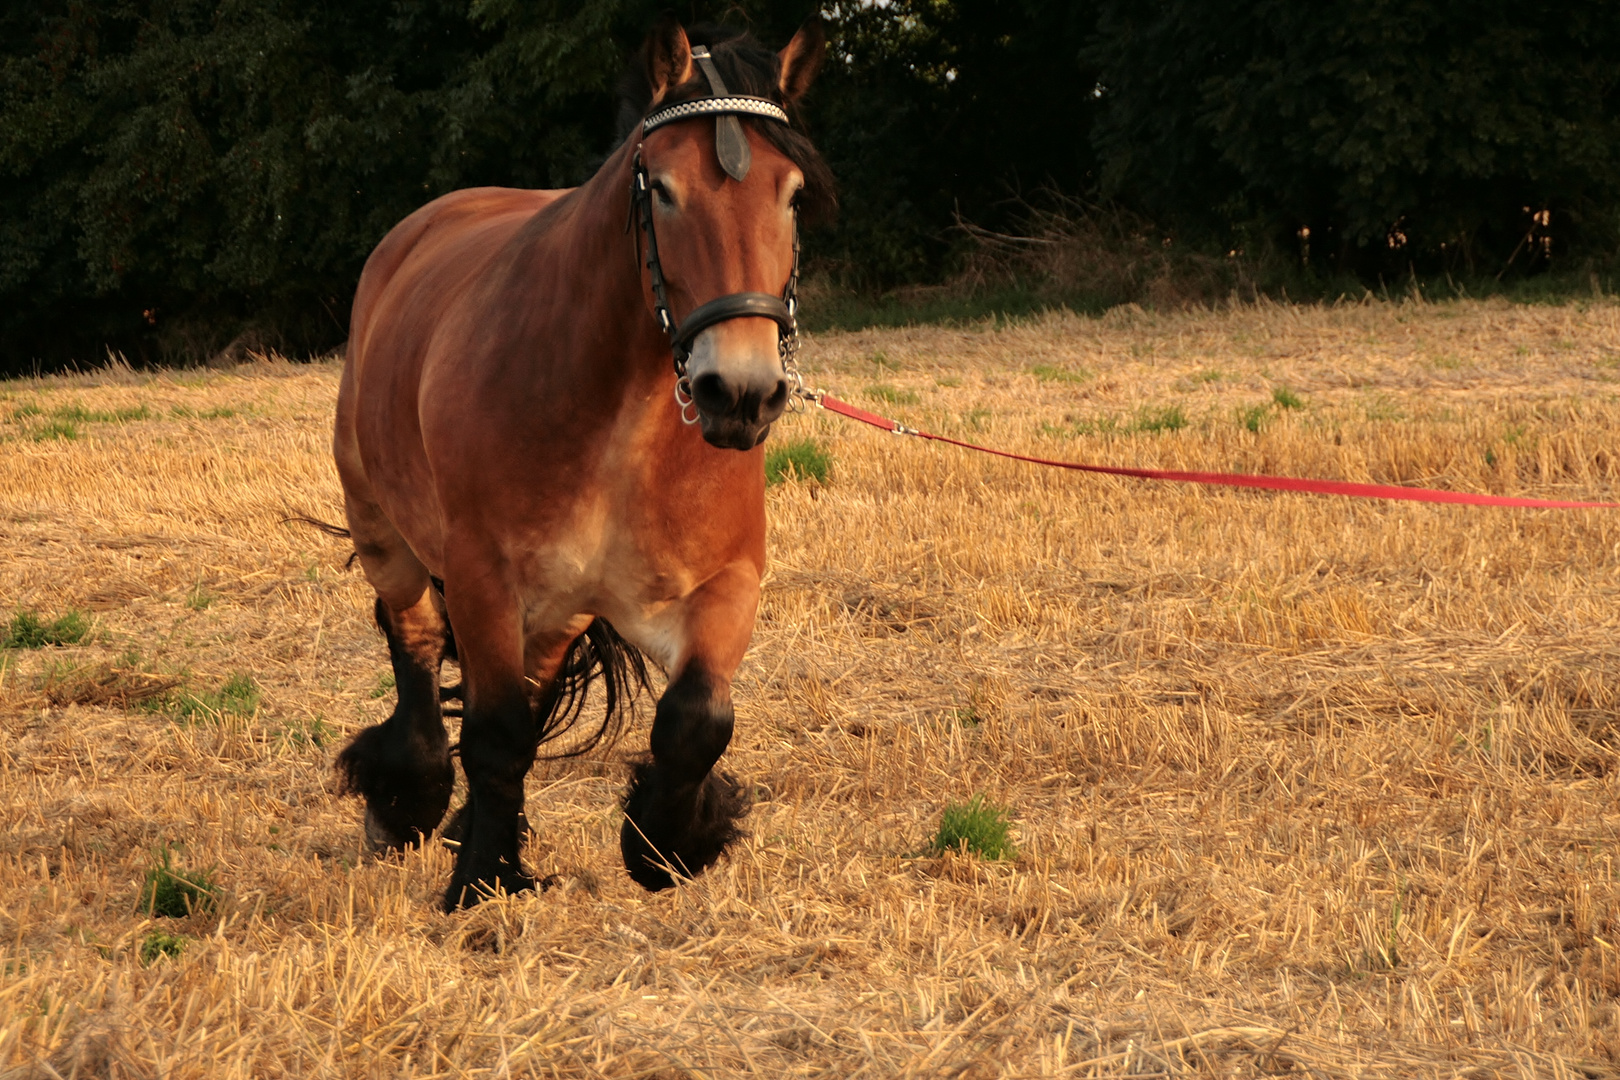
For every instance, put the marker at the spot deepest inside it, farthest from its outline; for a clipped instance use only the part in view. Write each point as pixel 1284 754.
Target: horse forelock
pixel 749 68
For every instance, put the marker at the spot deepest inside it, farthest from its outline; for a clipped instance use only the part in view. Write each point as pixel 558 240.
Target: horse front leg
pixel 680 815
pixel 498 739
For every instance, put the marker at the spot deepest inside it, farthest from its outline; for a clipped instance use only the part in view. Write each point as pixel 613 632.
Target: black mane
pixel 747 68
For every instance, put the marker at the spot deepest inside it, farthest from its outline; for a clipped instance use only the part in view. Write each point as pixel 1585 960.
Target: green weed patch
pixel 797 459
pixel 978 826
pixel 28 631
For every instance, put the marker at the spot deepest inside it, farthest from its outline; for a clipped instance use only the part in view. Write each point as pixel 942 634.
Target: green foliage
pixel 1165 418
pixel 184 175
pixel 180 175
pixel 77 413
pixel 797 459
pixel 978 826
pixel 1052 373
pixel 1426 132
pixel 1284 398
pixel 892 395
pixel 1254 417
pixel 173 893
pixel 385 681
pixel 314 732
pixel 177 173
pixel 1149 419
pixel 28 631
pixel 931 109
pixel 55 429
pixel 160 945
pixel 238 696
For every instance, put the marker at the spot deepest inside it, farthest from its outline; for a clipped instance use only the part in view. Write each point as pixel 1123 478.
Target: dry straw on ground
pixel 1301 786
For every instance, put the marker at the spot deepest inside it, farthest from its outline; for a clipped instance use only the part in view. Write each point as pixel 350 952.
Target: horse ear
pixel 669 57
pixel 802 59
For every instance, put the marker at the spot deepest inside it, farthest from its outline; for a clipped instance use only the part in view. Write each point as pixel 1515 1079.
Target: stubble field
pixel 1299 785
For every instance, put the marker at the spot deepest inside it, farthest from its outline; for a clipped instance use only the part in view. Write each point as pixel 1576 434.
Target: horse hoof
pixel 381 840
pixel 455 830
pixel 465 894
pixel 651 877
pixel 655 854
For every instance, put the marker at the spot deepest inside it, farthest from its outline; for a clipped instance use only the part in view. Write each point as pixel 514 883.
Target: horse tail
pixel 599 654
pixel 326 527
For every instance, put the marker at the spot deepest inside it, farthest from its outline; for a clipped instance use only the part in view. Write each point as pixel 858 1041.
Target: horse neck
pixel 603 272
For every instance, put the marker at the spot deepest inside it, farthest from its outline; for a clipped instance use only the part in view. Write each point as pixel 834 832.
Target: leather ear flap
pixel 669 57
pixel 802 58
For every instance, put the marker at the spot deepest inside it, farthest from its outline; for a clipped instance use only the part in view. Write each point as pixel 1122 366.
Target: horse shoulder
pixel 452 223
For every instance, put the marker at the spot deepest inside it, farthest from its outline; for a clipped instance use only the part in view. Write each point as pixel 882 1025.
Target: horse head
pixel 723 180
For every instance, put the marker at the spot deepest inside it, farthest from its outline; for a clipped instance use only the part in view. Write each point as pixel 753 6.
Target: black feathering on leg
pixel 402 766
pixel 500 736
pixel 680 815
pixel 655 842
pixel 406 794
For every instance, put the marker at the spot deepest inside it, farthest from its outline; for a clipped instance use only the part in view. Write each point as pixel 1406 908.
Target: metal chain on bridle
pixel 731 147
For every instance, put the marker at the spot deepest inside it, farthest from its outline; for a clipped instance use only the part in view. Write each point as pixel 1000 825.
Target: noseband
pixel 731 147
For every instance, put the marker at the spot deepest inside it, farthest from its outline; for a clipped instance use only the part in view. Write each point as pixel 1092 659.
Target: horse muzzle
pixel 737 414
pixel 738 392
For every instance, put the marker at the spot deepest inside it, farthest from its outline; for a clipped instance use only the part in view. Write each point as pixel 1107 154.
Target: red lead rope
pixel 1269 483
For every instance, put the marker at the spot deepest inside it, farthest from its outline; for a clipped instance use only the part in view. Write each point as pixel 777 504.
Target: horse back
pixel 438 251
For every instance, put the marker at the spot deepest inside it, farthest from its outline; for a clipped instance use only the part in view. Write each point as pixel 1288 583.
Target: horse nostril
pixel 778 400
pixel 713 394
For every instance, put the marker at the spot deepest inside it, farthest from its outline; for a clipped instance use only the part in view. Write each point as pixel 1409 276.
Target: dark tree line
pixel 174 173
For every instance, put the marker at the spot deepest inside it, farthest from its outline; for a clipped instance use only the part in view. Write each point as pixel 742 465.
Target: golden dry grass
pixel 1300 785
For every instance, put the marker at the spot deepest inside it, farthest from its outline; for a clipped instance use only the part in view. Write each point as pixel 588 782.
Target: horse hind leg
pixel 402 766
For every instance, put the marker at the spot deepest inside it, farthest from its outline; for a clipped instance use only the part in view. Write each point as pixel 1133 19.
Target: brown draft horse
pixel 518 461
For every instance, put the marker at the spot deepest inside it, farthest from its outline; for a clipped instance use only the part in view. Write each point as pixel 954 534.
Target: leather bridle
pixel 731 147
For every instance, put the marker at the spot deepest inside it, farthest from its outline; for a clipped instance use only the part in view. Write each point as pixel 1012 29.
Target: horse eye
pixel 659 190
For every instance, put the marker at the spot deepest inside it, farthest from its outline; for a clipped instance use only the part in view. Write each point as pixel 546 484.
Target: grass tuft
pixel 797 459
pixel 1053 373
pixel 1284 398
pixel 978 826
pixel 238 696
pixel 28 631
pixel 314 732
pixel 78 414
pixel 65 430
pixel 172 893
pixel 1168 418
pixel 162 945
pixel 892 395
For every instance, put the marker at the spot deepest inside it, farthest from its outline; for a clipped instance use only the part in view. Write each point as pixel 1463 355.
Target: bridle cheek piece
pixel 731 147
